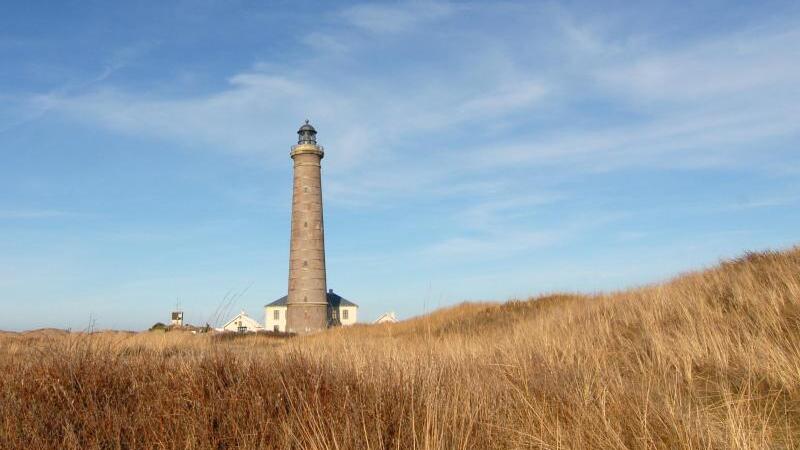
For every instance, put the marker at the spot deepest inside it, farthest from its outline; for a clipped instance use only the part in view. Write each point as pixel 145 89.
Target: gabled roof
pixel 388 317
pixel 279 302
pixel 334 300
pixel 243 316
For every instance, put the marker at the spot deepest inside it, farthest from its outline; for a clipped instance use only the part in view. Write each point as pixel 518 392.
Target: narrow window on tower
pixel 305 263
pixel 305 224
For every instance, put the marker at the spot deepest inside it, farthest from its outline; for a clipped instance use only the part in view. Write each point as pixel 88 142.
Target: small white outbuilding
pixel 242 323
pixel 176 320
pixel 388 317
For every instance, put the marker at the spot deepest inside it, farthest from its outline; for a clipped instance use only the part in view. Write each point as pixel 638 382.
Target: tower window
pixel 305 263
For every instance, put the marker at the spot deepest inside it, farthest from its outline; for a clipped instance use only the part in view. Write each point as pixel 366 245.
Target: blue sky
pixel 474 150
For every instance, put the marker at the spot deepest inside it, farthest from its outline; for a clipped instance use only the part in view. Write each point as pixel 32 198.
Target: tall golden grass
pixel 709 360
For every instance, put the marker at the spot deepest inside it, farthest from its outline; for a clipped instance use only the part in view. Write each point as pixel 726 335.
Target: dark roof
pixel 334 300
pixel 279 302
pixel 337 301
pixel 306 127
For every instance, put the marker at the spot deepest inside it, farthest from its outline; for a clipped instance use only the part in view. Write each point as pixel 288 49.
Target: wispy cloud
pixel 763 62
pixel 325 43
pixel 511 237
pixel 35 214
pixel 764 202
pixel 253 113
pixel 393 18
pixel 675 140
pixel 238 119
pixel 34 107
pixel 499 211
pixel 493 246
pixel 702 103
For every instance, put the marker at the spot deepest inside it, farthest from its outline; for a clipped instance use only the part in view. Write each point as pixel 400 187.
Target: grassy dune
pixel 709 360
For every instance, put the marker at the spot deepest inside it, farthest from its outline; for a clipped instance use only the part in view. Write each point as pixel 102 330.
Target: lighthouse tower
pixel 307 304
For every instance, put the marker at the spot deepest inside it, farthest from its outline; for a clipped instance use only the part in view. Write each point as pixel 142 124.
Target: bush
pixel 158 326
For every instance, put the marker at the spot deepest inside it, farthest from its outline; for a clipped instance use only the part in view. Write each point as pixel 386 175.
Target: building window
pixel 277 314
pixel 277 328
pixel 345 314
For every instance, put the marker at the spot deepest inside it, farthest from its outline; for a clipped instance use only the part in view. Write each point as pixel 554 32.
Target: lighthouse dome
pixel 306 134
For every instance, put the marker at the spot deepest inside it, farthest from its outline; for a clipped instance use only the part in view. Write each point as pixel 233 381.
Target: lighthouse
pixel 306 303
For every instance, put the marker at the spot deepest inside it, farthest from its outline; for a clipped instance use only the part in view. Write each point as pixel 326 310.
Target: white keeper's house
pixel 340 312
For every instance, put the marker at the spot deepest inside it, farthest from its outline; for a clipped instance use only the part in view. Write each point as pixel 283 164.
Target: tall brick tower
pixel 307 304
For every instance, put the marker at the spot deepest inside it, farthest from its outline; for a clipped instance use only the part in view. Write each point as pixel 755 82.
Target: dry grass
pixel 710 360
